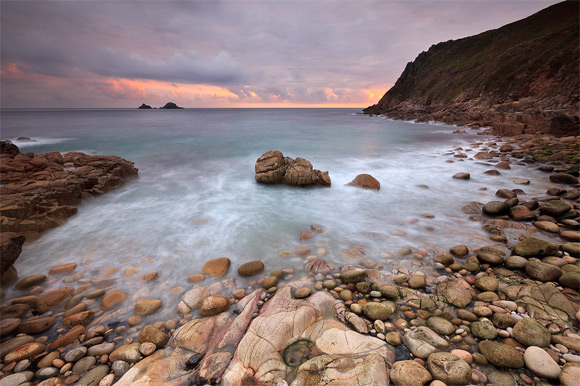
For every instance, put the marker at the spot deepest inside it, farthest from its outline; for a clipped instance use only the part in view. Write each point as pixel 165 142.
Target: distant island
pixel 171 105
pixel 518 79
pixel 168 105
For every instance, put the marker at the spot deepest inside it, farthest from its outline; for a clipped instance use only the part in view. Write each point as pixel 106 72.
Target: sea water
pixel 196 197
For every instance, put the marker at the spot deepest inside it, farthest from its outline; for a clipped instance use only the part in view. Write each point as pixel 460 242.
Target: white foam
pixel 38 141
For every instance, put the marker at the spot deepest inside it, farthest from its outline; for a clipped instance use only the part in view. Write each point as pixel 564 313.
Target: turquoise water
pixel 196 197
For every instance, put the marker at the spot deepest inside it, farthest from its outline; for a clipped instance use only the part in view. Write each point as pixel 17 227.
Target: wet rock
pixel 78 318
pixel 423 341
pixel 214 304
pixel 75 354
pixel 9 325
pixel 541 363
pixel 483 330
pixel 365 181
pixel 120 368
pixel 515 262
pixel 554 208
pixel 409 373
pixel 101 349
pixel 17 379
pixel 531 333
pixel 454 293
pixel 270 282
pixel 501 355
pixel 128 353
pixel 147 306
pixel 459 250
pixel 521 213
pixel 35 326
pixel 354 275
pixel 542 271
pixel 357 323
pixel 302 292
pixel 112 299
pixel 570 374
pixel 377 311
pixel 25 351
pixel 30 281
pixel 487 283
pixel 14 311
pixel 572 248
pixel 417 281
pixel 496 208
pixel 570 280
pixel 50 299
pixel 93 377
pixel 68 338
pixel 563 178
pixel 251 268
pixel 444 258
pixel 83 365
pixel 153 335
pixel 449 368
pixel 533 247
pixel 217 267
pixel 503 321
pixel 273 168
pixel 440 325
pixel 505 193
pixel 62 269
pixel 147 348
pixel 547 226
pixel 462 176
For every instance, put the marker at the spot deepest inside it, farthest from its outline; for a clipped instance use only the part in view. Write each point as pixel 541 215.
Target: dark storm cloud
pixel 283 50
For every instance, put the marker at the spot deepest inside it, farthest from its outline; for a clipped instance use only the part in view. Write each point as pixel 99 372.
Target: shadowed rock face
pixel 11 246
pixel 273 168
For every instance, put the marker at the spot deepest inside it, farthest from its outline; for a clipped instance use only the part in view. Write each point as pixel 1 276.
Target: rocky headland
pixel 518 79
pixel 506 313
pixel 39 192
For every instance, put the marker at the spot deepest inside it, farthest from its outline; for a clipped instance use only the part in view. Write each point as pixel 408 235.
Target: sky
pixel 301 53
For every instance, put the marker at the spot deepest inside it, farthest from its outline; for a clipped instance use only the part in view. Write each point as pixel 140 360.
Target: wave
pixel 37 141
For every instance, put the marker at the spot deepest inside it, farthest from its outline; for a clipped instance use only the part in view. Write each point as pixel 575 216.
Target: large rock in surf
pixel 365 181
pixel 273 168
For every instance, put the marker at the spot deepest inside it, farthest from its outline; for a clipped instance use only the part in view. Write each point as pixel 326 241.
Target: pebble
pixel 75 354
pixel 302 293
pixel 147 348
pixel 571 358
pixel 16 379
pixel 83 365
pixel 541 363
pixel 107 380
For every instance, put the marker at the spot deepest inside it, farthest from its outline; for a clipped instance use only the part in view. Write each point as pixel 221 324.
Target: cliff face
pixel 521 78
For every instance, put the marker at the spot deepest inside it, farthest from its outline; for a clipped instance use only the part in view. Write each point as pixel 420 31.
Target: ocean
pixel 196 197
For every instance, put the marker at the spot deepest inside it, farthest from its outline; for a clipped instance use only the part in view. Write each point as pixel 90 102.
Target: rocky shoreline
pixel 503 314
pixel 40 191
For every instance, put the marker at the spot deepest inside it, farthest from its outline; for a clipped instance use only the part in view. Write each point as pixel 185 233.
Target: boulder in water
pixel 273 168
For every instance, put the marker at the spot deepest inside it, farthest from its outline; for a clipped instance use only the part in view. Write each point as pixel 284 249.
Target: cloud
pixel 283 52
